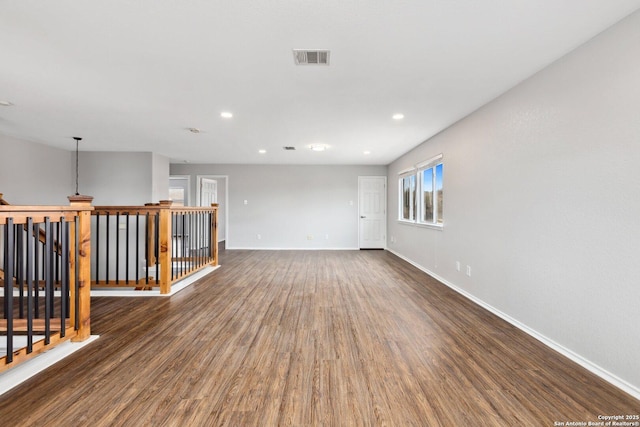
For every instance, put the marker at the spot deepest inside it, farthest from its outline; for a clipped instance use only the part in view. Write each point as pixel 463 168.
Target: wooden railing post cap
pixel 79 199
pixel 166 202
pixel 215 205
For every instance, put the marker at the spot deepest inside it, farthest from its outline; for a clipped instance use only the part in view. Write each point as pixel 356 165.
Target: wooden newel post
pixel 83 265
pixel 165 237
pixel 151 238
pixel 214 234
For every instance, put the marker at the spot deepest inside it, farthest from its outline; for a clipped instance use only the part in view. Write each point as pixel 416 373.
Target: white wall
pixel 117 178
pixel 285 204
pixel 542 200
pixel 159 177
pixel 35 174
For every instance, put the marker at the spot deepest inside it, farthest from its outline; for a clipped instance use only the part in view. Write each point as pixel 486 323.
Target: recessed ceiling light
pixel 367 152
pixel 318 147
pixel 194 130
pixel 226 115
pixel 6 103
pixel 398 116
pixel 262 151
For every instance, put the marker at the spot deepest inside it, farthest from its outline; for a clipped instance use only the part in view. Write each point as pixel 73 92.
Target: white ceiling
pixel 135 75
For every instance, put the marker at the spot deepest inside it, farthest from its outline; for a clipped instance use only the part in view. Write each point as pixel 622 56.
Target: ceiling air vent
pixel 289 148
pixel 311 57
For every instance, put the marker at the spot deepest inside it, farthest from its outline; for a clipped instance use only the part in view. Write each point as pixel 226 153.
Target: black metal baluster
pixel 196 243
pixel 193 261
pixel 200 241
pixel 57 252
pixel 52 270
pixel 203 239
pixel 97 247
pixel 8 286
pixel 47 279
pixel 66 236
pixel 32 240
pixel 19 269
pixel 106 268
pixel 210 236
pixel 63 244
pixel 137 248
pixel 117 248
pixel 5 257
pixel 146 249
pixel 193 218
pixel 56 237
pixel 127 250
pixel 185 245
pixel 174 238
pixel 157 246
pixel 36 265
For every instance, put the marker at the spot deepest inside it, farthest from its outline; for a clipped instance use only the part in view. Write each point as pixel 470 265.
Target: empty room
pixel 330 213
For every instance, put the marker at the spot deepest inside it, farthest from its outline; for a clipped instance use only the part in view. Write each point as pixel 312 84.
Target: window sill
pixel 422 225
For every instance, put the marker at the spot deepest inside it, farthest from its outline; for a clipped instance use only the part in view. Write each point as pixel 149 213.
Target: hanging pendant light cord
pixel 78 139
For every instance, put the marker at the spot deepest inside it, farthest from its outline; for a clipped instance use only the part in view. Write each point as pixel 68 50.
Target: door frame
pixel 226 201
pixel 386 217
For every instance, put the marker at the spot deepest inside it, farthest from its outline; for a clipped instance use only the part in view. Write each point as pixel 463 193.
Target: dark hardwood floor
pixel 333 338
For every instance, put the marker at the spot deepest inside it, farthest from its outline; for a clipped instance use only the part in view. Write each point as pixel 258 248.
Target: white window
pixel 421 193
pixel 408 196
pixel 430 177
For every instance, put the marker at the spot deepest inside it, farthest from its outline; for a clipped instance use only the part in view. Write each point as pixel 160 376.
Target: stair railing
pixel 45 261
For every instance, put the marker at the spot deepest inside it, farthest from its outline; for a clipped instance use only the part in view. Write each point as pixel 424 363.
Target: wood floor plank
pixel 309 338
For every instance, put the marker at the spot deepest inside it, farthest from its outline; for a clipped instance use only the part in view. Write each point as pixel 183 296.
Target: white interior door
pixel 372 208
pixel 208 191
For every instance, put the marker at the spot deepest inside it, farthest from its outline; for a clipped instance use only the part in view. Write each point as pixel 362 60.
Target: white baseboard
pixel 585 363
pixel 239 248
pixel 22 372
pixel 155 292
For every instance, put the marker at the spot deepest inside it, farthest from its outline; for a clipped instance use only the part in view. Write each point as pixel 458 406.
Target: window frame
pixel 410 173
pixel 430 165
pixel 417 202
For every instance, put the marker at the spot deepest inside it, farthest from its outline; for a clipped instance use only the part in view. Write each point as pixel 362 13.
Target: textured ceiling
pixel 135 75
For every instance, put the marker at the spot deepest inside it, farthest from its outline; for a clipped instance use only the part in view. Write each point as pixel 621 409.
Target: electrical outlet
pixel 326 237
pixel 259 236
pixel 469 270
pixel 246 202
pixel 457 265
pixel 309 236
